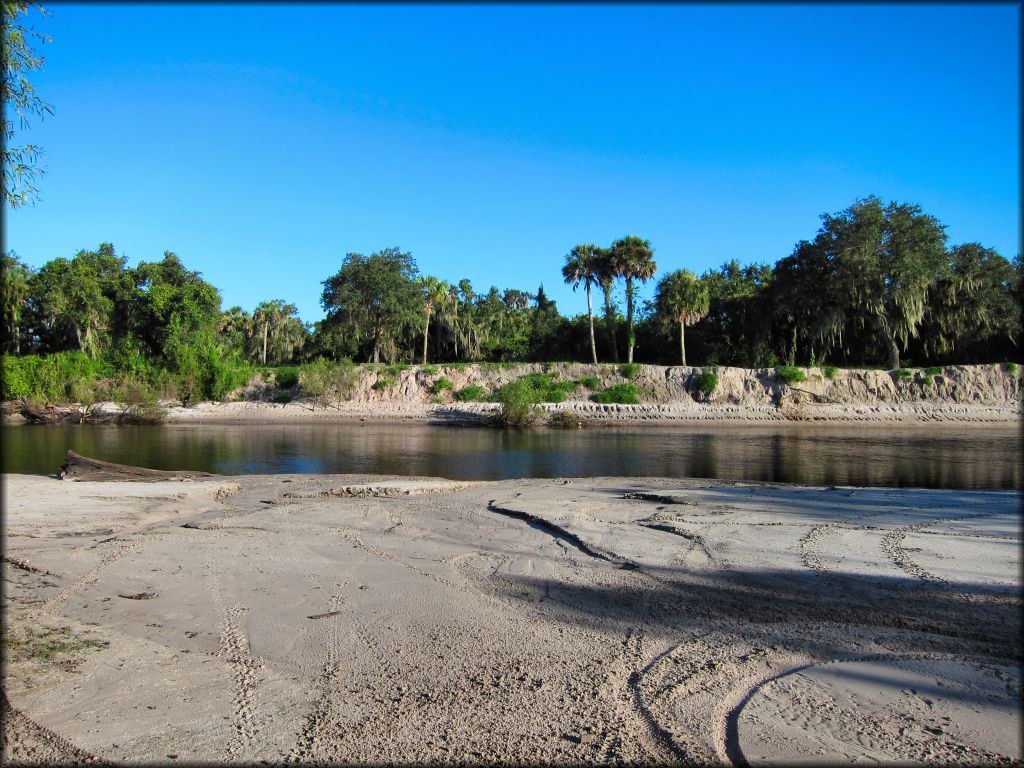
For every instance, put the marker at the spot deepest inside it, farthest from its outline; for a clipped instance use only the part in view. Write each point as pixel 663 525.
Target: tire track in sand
pixel 25 741
pixel 318 723
pixel 244 668
pixel 82 581
pixel 892 544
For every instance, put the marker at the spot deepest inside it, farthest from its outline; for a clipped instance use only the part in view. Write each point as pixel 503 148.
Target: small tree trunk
pixel 455 326
pixel 609 320
pixel 682 341
pixel 426 328
pixel 590 314
pixel 90 347
pixel 894 355
pixel 266 327
pixel 629 319
pixel 791 357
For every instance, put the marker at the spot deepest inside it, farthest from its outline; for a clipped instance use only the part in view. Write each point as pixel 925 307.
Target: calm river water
pixel 945 456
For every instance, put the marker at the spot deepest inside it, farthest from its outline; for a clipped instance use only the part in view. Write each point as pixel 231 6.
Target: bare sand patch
pixel 369 619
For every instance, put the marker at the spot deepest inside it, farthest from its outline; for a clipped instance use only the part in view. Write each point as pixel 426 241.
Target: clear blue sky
pixel 262 143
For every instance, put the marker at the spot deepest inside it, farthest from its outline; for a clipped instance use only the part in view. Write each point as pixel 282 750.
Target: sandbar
pixel 345 618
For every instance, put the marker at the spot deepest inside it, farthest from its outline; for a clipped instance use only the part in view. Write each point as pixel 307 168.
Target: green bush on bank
pixel 543 387
pixel 325 380
pixel 625 394
pixel 519 400
pixel 705 383
pixel 473 393
pixel 286 376
pixel 904 374
pixel 789 374
pixel 629 370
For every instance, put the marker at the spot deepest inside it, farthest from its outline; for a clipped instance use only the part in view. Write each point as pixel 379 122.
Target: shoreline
pixel 960 394
pixel 591 415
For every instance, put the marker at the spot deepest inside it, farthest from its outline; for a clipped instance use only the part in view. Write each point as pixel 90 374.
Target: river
pixel 930 456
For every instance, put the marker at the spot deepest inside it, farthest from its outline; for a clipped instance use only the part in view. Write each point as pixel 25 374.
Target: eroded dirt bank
pixel 369 619
pixel 963 394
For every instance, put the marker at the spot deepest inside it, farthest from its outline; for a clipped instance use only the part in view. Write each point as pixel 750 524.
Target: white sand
pixel 344 618
pixel 594 413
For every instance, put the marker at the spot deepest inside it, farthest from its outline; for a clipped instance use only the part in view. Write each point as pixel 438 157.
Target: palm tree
pixel 236 326
pixel 681 297
pixel 267 313
pixel 633 259
pixel 282 331
pixel 582 266
pixel 435 293
pixel 606 278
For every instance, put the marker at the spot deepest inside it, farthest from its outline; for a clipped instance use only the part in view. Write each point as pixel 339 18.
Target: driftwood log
pixel 83 469
pixel 47 415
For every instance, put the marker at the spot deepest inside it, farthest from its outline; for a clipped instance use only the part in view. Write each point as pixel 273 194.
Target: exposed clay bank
pixel 959 394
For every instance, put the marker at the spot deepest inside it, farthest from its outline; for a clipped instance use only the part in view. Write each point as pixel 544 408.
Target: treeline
pixel 877 284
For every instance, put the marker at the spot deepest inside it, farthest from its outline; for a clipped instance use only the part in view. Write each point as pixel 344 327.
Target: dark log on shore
pixel 48 415
pixel 83 469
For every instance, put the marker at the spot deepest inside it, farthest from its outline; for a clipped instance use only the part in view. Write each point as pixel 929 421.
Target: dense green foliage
pixel 705 382
pixel 876 284
pixel 625 393
pixel 518 401
pixel 21 163
pixel 629 370
pixel 473 393
pixel 789 374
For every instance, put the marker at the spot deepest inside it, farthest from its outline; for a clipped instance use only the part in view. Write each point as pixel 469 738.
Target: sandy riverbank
pixel 594 414
pixel 962 394
pixel 344 618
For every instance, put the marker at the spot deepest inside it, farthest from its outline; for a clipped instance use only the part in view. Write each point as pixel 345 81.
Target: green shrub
pixel 935 370
pixel 590 382
pixel 18 376
pixel 383 382
pixel 474 393
pixel 442 384
pixel 626 394
pixel 429 370
pixel 519 400
pixel 904 374
pixel 564 420
pixel 543 387
pixel 789 374
pixel 395 368
pixel 287 377
pixel 148 411
pixel 1011 368
pixel 830 371
pixel 927 380
pixel 629 370
pixel 324 380
pixel 705 383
